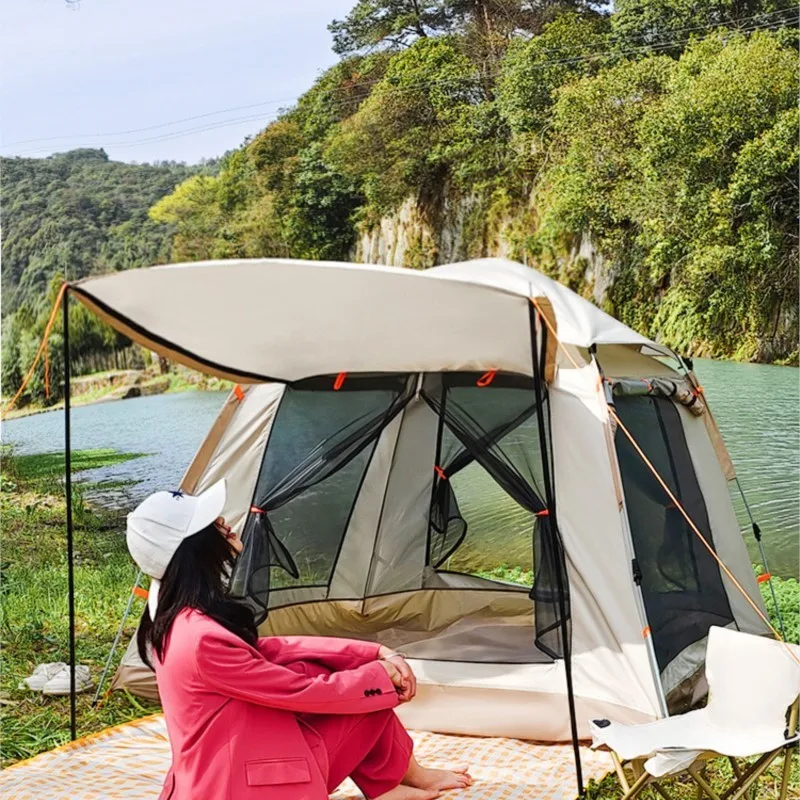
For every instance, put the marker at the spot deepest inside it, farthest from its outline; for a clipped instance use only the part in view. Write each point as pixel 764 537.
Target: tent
pixel 364 392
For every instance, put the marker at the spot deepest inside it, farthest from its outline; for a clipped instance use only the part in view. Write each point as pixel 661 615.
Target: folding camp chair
pixel 752 681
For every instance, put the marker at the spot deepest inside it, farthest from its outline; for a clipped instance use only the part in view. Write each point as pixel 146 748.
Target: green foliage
pixel 684 173
pixel 194 212
pixel 533 69
pixel 787 593
pixel 73 214
pixel 318 219
pixel 638 23
pixel 397 143
pixel 22 337
pixel 78 213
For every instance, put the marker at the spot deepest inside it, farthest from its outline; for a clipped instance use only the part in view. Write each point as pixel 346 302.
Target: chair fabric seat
pixel 692 731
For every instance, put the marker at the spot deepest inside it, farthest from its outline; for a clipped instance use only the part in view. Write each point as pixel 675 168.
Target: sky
pixel 152 80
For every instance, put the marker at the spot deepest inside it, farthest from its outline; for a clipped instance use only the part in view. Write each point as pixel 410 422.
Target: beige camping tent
pixel 365 391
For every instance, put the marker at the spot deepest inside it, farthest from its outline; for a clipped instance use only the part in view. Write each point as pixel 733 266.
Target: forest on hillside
pixel 662 132
pixel 71 215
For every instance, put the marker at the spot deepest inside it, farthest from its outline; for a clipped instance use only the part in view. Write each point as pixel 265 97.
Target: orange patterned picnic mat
pixel 130 761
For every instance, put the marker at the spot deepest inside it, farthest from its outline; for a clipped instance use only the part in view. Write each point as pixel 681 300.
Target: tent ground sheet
pixel 131 760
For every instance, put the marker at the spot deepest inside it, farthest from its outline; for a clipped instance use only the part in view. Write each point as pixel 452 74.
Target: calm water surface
pixel 757 408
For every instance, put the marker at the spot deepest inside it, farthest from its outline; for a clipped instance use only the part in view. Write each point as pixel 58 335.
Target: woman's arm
pixel 336 654
pixel 231 668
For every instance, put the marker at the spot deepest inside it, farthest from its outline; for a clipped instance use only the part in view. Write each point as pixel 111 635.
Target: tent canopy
pixel 284 320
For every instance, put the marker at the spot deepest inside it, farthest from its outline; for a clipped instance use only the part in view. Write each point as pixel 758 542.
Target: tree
pixel 388 23
pixel 671 23
pixel 397 142
pixel 535 68
pixel 194 212
pixel 685 173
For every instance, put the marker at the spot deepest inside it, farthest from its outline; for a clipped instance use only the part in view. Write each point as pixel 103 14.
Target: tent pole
pixel 435 477
pixel 110 658
pixel 70 548
pixel 551 507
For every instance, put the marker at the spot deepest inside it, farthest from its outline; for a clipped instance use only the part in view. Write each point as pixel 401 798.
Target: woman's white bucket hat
pixel 160 523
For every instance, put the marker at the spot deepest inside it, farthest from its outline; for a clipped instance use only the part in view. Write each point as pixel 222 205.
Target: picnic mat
pixel 131 760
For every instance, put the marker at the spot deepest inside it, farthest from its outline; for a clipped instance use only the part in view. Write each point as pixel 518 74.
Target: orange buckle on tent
pixel 545 512
pixel 486 378
pixel 139 592
pixel 239 392
pixel 763 578
pixel 339 382
pixel 646 632
pixel 440 472
pixel 257 510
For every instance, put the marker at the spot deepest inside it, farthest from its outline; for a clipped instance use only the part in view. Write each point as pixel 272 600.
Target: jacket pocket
pixel 276 771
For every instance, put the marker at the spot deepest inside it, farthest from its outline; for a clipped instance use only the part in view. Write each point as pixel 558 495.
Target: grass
pixel 33 604
pixel 33 613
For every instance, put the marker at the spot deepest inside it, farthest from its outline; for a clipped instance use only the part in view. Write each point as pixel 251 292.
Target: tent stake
pixel 551 507
pixel 70 548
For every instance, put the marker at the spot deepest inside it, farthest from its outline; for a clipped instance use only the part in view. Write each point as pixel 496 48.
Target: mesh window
pixel 318 451
pixel 471 500
pixel 496 426
pixel 313 524
pixel 680 580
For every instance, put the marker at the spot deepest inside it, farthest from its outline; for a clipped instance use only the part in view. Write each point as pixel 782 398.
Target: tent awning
pixel 283 320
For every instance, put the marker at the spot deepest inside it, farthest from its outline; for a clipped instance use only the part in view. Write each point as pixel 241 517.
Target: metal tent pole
pixel 70 548
pixel 113 650
pixel 551 507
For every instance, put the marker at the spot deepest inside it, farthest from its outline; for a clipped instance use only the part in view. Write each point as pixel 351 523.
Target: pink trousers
pixel 372 749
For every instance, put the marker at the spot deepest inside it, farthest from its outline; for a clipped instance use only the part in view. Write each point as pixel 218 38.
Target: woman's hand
pixel 394 674
pixel 407 687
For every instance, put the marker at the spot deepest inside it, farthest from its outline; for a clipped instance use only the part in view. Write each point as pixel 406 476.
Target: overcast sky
pixel 97 74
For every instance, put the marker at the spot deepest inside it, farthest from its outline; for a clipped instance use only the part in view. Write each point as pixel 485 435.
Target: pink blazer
pixel 230 708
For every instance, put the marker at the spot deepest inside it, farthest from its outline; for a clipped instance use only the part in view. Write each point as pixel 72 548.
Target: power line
pixel 768 20
pixel 475 80
pixel 152 127
pixel 167 136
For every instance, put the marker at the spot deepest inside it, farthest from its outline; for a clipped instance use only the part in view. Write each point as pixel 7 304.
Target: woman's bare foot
pixel 408 793
pixel 436 779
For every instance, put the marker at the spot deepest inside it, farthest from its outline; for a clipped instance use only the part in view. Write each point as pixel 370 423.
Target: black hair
pixel 194 579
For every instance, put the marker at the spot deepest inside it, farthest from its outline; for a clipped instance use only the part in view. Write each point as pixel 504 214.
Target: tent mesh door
pixel 320 446
pixel 494 422
pixel 680 580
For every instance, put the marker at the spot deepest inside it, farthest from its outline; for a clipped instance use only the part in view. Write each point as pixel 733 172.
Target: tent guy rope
pixel 42 350
pixel 670 494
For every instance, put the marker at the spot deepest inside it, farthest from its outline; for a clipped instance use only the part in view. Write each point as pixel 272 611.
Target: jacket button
pixel 378 691
pixel 366 692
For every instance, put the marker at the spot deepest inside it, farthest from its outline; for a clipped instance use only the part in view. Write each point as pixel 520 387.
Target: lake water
pixel 757 408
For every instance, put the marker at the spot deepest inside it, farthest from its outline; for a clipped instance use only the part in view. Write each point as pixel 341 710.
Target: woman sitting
pixel 283 718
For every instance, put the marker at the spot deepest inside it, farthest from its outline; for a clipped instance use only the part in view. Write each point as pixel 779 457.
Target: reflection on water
pixel 167 428
pixel 757 408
